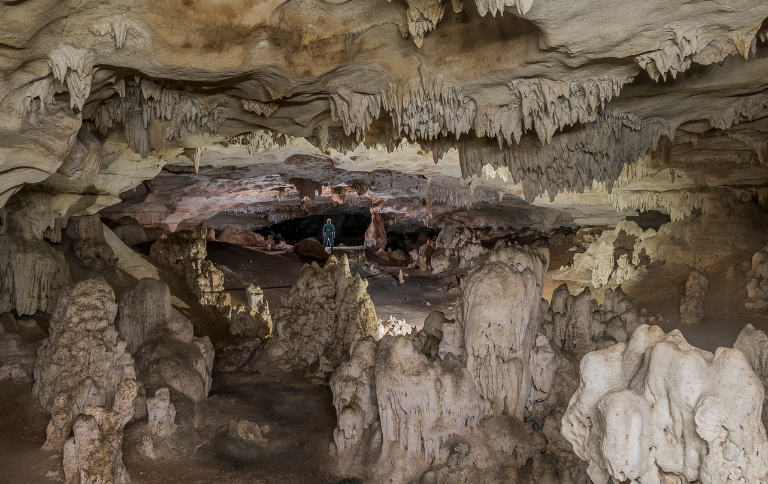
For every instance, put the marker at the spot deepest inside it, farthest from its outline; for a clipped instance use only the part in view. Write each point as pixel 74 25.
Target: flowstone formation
pixel 163 342
pixel 576 323
pixel 328 310
pixel 754 345
pixel 448 403
pixel 85 379
pixel 455 247
pixel 637 418
pixel 184 252
pixel 32 273
pixel 94 454
pixel 691 310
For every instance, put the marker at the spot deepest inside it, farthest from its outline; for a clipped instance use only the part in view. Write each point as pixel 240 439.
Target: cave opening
pixel 350 228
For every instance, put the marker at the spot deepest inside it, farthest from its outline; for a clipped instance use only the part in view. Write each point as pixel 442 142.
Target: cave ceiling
pixel 624 105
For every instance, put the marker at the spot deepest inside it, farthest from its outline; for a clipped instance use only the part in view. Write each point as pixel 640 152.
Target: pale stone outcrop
pixel 253 320
pixel 146 313
pixel 612 258
pixel 248 432
pixel 757 288
pixel 636 417
pixel 163 342
pixel 691 310
pixel 754 345
pixel 455 247
pixel 161 413
pixel 94 454
pixel 84 361
pixel 410 407
pixel 579 325
pixel 184 252
pixel 32 273
pixel 500 313
pixel 329 309
pixel 392 327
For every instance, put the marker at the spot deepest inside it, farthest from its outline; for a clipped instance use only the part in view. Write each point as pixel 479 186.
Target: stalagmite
pixel 329 309
pixel 185 253
pixel 754 345
pixel 94 454
pixel 636 417
pixel 84 361
pixel 691 310
pixel 163 342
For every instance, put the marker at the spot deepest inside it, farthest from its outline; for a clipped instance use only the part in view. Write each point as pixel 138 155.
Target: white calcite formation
pixel 392 327
pixel 757 288
pixel 17 355
pixel 94 454
pixel 500 313
pixel 612 258
pixel 253 320
pixel 329 309
pixel 455 247
pixel 32 273
pixel 444 404
pixel 754 345
pixel 636 417
pixel 90 245
pixel 161 413
pixel 185 253
pixel 576 323
pixel 84 360
pixel 166 350
pixel 691 306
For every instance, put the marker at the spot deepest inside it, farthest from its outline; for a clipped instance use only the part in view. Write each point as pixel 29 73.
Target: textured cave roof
pixel 547 96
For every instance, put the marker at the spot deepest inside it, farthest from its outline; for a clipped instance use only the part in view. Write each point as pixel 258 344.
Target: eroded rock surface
pixel 84 361
pixel 329 309
pixel 699 432
pixel 691 306
pixel 166 350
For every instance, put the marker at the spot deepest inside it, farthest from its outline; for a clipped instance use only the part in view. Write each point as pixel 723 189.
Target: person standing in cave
pixel 329 232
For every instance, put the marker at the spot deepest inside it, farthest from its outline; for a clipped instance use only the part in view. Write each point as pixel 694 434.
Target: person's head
pixel 329 220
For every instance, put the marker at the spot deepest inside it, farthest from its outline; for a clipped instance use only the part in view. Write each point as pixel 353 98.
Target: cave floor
pixel 298 410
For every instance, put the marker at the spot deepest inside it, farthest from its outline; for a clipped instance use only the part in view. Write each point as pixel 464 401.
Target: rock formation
pixel 84 363
pixel 90 244
pixel 17 355
pixel 329 309
pixel 579 325
pixel 161 413
pixel 757 289
pixel 636 417
pixel 253 320
pixel 754 345
pixel 245 238
pixel 248 432
pixel 94 453
pixel 447 403
pixel 185 252
pixel 691 310
pixel 167 352
pixel 376 235
pixel 32 273
pixel 455 248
